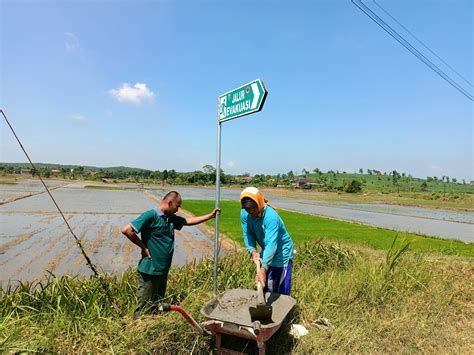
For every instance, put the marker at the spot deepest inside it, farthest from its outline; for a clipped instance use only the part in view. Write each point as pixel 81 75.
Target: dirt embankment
pixel 16 198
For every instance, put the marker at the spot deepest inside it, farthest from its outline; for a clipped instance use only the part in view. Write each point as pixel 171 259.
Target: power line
pixel 408 46
pixel 102 280
pixel 78 241
pixel 419 41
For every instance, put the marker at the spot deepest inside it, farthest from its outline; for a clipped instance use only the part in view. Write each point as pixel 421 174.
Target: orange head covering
pixel 254 194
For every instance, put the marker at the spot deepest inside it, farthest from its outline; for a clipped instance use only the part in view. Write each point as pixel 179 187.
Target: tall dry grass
pixel 395 301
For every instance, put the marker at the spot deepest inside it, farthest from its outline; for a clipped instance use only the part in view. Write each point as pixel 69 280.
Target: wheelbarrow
pixel 228 314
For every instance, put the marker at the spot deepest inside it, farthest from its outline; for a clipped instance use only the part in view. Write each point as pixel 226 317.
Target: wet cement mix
pixel 34 239
pixel 233 306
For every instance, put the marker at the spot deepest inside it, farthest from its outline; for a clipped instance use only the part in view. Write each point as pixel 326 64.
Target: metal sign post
pixel 218 197
pixel 244 100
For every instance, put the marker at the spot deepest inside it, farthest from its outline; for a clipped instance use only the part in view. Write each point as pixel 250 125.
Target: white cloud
pixel 78 117
pixel 134 94
pixel 231 164
pixel 72 42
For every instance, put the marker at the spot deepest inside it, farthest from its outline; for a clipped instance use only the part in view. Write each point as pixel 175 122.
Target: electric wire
pixel 102 280
pixel 374 17
pixel 78 241
pixel 424 45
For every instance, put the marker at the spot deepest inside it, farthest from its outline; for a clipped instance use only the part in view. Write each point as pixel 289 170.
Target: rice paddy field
pixel 359 289
pixel 34 239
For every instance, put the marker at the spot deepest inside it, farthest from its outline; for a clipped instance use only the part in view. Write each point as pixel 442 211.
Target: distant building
pixel 245 179
pixel 25 171
pixel 55 171
pixel 301 183
pixel 304 183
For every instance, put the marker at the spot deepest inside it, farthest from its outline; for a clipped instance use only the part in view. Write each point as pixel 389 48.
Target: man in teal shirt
pixel 156 228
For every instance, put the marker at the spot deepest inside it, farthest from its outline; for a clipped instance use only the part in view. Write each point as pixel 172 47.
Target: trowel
pixel 261 311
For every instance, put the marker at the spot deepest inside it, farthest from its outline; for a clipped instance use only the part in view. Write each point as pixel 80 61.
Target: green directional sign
pixel 244 100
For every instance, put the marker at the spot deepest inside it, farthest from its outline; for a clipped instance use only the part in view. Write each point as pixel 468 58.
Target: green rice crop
pixel 304 227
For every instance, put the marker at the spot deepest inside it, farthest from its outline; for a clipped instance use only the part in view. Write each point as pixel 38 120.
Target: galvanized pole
pixel 246 99
pixel 218 197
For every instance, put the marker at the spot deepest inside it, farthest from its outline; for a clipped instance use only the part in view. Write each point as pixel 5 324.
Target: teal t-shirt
pixel 270 233
pixel 157 232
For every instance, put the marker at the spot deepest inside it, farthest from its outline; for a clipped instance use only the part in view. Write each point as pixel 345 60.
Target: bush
pixel 352 186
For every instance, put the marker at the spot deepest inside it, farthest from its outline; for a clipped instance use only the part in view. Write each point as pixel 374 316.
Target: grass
pixel 377 302
pixel 384 183
pixel 303 227
pixel 7 182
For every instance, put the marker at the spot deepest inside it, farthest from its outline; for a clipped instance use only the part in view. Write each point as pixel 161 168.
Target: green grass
pixel 303 227
pixel 377 302
pixel 384 183
pixel 6 182
pixel 452 201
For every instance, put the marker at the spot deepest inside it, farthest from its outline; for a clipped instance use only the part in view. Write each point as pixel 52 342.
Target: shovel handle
pixel 261 297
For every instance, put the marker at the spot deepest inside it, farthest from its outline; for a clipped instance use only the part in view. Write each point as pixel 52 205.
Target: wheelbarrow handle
pixel 186 315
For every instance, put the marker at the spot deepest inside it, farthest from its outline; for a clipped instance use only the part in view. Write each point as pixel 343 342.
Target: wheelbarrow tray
pixel 229 314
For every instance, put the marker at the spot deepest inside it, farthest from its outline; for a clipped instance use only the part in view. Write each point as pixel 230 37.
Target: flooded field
pixel 233 194
pixel 426 221
pixel 34 239
pixel 10 193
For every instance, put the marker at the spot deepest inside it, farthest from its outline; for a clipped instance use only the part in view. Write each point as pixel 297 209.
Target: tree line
pixel 316 179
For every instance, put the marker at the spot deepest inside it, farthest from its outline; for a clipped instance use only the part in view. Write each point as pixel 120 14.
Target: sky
pixel 135 83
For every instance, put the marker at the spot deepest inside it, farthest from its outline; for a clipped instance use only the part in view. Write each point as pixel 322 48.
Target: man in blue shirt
pixel 156 228
pixel 261 224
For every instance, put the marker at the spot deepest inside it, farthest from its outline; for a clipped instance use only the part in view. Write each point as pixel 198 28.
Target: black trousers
pixel 151 289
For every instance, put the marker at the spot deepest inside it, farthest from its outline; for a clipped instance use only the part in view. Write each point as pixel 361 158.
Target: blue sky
pixel 135 83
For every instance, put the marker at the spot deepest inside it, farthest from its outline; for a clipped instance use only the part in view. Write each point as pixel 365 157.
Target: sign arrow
pixel 256 95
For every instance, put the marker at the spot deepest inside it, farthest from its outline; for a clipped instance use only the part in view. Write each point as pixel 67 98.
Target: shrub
pixel 352 186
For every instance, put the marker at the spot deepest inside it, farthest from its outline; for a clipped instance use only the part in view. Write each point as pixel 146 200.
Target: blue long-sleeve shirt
pixel 270 233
